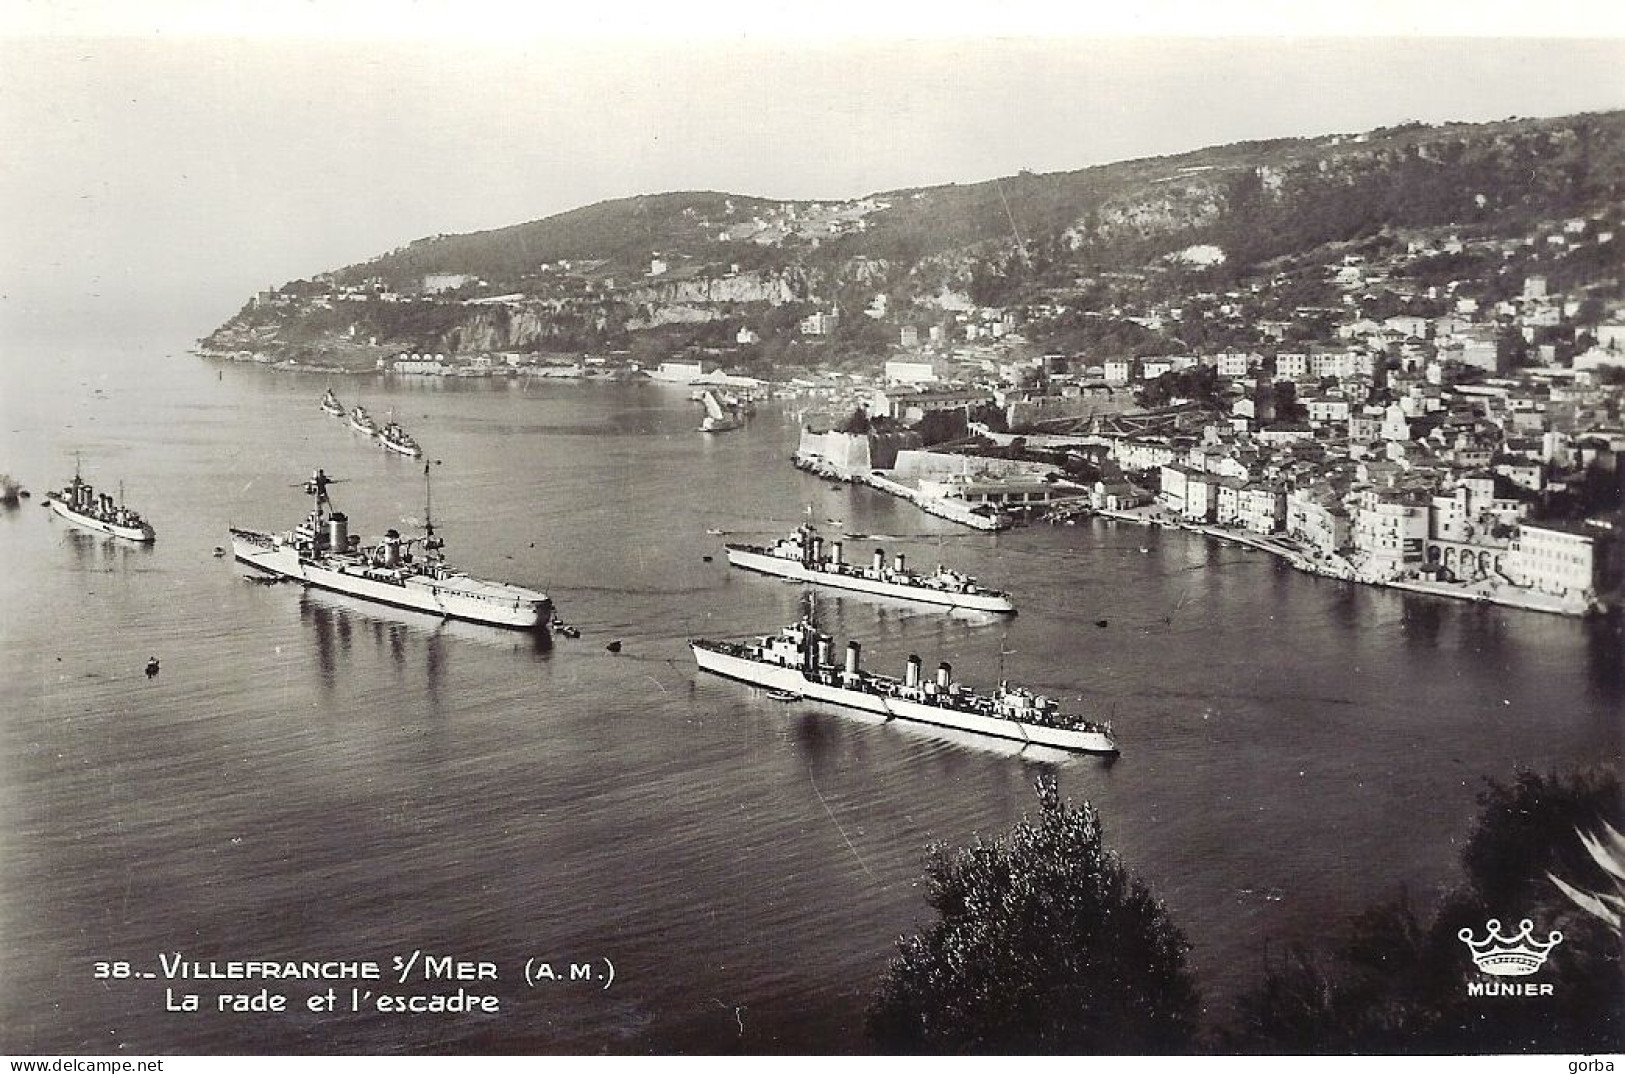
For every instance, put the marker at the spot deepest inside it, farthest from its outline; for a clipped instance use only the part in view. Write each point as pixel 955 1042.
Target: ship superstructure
pixel 403 572
pixel 802 557
pixel 799 660
pixel 79 502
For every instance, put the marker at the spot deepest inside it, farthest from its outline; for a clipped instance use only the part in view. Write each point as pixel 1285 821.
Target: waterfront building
pixel 1227 501
pixel 420 364
pixel 1316 516
pixel 1389 532
pixel 1201 497
pixel 1118 370
pixel 1117 496
pixel 1172 479
pixel 1262 508
pixel 679 372
pixel 1561 559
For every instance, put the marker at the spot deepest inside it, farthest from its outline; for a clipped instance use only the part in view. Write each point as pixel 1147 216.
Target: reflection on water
pixel 314 776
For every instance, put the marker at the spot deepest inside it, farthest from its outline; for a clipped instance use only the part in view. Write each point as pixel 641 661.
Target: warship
pixel 801 557
pixel 799 662
pixel 402 572
pixel 331 404
pixel 362 422
pixel 398 439
pixel 79 502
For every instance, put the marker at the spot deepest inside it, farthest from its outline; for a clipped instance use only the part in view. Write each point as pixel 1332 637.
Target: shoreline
pixel 1486 591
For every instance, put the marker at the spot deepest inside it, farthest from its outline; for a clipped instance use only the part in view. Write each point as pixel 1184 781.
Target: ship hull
pixel 263 553
pixel 788 568
pixel 790 680
pixel 1085 741
pixel 793 681
pixel 128 533
pixel 410 452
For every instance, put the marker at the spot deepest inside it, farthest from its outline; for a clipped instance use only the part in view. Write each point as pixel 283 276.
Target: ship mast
pixel 431 544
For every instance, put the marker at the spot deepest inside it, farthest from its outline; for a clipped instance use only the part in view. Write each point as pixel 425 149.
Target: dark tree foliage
pixel 1398 983
pixel 1200 384
pixel 1599 489
pixel 857 423
pixel 1044 944
pixel 941 426
pixel 990 415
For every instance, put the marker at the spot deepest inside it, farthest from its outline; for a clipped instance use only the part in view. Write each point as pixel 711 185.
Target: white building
pixel 901 372
pixel 1389 533
pixel 1555 558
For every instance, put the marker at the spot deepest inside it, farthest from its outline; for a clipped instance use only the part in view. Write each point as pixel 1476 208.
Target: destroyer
pixel 79 502
pixel 801 557
pixel 398 439
pixel 799 660
pixel 321 552
pixel 331 404
pixel 362 422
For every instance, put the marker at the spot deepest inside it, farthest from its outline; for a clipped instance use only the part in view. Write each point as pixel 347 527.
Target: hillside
pixel 708 269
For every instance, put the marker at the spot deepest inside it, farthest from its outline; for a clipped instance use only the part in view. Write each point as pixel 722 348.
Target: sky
pixel 164 160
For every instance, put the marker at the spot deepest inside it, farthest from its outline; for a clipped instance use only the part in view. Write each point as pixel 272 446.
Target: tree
pixel 1044 944
pixel 857 423
pixel 1399 982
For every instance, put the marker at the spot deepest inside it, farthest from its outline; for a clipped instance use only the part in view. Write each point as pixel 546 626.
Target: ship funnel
pixel 817 548
pixel 899 563
pixel 835 553
pixel 852 650
pixel 392 548
pixel 945 675
pixel 825 651
pixel 880 559
pixel 338 531
pixel 911 672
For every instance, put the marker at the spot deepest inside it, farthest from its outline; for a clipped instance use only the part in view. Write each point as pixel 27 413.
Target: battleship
pixel 362 422
pixel 331 404
pixel 402 572
pixel 79 502
pixel 799 662
pixel 398 439
pixel 801 557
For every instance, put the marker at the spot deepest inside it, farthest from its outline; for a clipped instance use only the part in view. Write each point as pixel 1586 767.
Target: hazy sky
pixel 158 178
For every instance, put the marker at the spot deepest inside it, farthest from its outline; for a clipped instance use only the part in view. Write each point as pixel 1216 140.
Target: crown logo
pixel 1517 955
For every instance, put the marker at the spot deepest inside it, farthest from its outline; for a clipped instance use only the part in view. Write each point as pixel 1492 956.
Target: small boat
pixel 784 695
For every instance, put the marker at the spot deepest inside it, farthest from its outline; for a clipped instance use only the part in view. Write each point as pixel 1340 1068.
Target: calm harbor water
pixel 311 777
